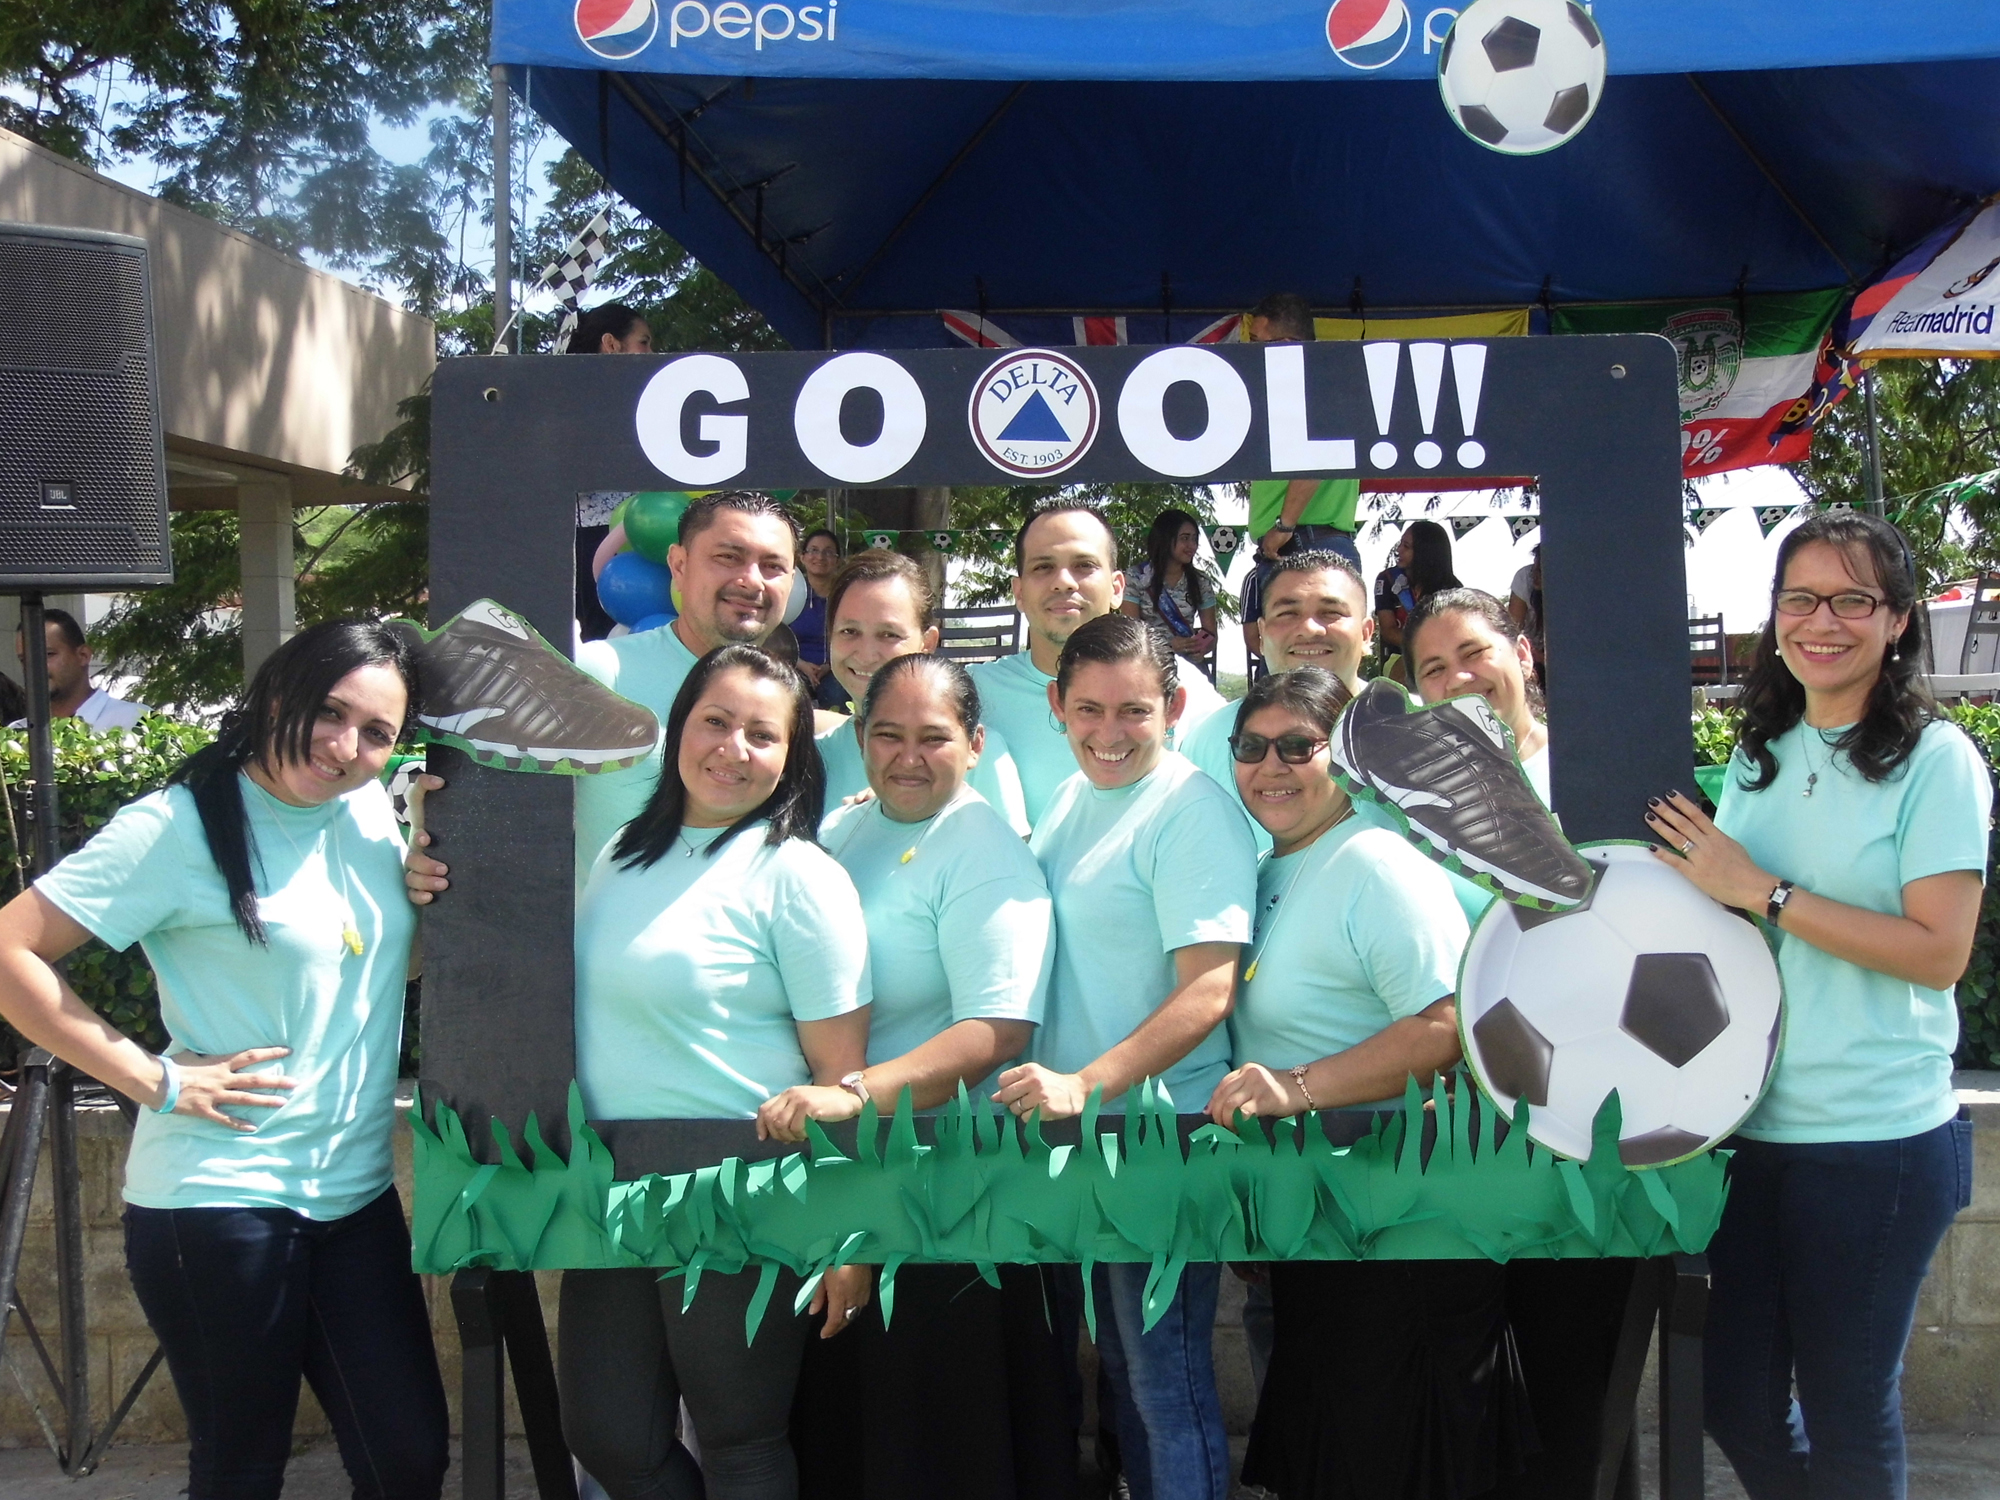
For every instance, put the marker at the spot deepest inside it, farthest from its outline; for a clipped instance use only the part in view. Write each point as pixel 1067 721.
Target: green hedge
pixel 1979 990
pixel 96 774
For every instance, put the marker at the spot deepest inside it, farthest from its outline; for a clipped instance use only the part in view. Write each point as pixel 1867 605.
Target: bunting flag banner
pixel 1520 526
pixel 1705 517
pixel 941 540
pixel 1225 539
pixel 1938 300
pixel 1755 372
pixel 1951 492
pixel 1771 517
pixel 1462 524
pixel 880 541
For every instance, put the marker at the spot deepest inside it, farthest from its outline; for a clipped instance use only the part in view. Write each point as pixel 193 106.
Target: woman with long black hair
pixel 721 958
pixel 1169 589
pixel 1855 821
pixel 264 1239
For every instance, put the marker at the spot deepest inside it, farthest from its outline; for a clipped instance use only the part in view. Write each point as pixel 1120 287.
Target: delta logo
pixel 1368 34
pixel 617 29
pixel 1034 412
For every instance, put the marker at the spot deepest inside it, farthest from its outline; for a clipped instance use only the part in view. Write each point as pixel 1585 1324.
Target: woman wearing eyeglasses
pixel 1855 821
pixel 1386 1377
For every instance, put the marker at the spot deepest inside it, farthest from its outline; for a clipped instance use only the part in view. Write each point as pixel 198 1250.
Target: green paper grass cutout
pixel 991 1191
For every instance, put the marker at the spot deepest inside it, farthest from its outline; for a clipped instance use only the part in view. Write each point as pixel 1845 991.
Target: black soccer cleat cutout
pixel 1674 1006
pixel 493 687
pixel 1450 770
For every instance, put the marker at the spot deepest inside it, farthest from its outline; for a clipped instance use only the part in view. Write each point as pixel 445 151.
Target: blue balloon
pixel 651 622
pixel 631 588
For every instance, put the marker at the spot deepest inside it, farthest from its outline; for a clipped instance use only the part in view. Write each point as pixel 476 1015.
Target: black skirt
pixel 964 1395
pixel 1389 1380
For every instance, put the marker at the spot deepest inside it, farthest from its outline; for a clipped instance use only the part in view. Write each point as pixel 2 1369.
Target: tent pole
pixel 1874 476
pixel 503 206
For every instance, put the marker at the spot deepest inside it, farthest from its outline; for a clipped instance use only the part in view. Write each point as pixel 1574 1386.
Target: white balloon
pixel 796 605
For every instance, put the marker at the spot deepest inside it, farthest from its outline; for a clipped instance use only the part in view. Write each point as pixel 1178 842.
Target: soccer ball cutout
pixel 1648 987
pixel 1522 76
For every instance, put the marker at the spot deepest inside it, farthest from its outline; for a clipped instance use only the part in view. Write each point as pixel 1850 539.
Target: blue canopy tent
pixel 853 169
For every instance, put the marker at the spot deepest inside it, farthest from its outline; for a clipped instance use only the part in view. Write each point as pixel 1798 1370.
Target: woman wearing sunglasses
pixel 1855 822
pixel 1347 993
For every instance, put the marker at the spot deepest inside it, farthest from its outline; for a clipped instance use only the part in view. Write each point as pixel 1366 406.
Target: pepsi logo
pixel 1368 34
pixel 617 29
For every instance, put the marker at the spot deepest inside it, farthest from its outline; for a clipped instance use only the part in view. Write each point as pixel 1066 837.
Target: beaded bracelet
pixel 1299 1077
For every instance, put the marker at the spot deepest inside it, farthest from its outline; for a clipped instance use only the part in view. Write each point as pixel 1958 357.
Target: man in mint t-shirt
pixel 1065 574
pixel 733 566
pixel 1298 515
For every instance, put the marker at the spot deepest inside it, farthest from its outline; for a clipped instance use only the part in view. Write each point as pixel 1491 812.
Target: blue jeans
pixel 1326 539
pixel 1170 1433
pixel 1816 1268
pixel 245 1301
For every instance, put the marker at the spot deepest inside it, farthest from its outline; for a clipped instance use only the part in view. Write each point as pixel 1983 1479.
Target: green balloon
pixel 653 521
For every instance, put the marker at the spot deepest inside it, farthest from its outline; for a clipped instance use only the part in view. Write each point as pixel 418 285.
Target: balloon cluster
pixel 633 583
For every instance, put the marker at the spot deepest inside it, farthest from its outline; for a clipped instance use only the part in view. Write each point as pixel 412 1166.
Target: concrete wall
pixel 262 359
pixel 1951 1383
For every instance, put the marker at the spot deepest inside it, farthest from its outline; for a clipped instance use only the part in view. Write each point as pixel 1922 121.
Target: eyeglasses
pixel 1293 749
pixel 1802 602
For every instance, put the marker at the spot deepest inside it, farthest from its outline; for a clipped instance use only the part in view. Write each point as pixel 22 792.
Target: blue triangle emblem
pixel 1034 423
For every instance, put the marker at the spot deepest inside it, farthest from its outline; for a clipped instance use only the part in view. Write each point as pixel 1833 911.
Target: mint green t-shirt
pixel 648 668
pixel 692 974
pixel 959 921
pixel 1332 504
pixel 147 877
pixel 1866 1056
pixel 1208 747
pixel 1353 933
pixel 1137 873
pixel 1014 699
pixel 996 778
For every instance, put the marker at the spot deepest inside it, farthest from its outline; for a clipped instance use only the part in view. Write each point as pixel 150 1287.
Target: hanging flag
pixel 981 333
pixel 941 540
pixel 880 541
pixel 1506 324
pixel 1771 517
pixel 1225 539
pixel 1228 330
pixel 1938 300
pixel 1755 372
pixel 1520 526
pixel 1462 524
pixel 1705 517
pixel 1107 330
pixel 570 277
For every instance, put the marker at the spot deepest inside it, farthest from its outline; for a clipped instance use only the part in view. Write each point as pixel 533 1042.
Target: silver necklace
pixel 1278 908
pixel 350 933
pixel 1808 734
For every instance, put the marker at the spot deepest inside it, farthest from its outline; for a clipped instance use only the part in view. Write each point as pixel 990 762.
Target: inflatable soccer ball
pixel 1522 76
pixel 1648 987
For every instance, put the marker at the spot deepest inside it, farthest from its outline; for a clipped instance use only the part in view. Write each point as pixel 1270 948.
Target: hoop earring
pixel 1057 724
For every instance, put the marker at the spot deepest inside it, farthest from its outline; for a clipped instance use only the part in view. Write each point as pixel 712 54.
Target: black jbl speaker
pixel 83 470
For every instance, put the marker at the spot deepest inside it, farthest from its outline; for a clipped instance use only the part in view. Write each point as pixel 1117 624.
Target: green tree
pixel 1939 420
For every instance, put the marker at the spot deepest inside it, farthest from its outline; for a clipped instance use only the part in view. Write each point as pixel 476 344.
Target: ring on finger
pixel 1687 846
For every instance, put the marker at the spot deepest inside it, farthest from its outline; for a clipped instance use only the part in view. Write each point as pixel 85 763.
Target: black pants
pixel 627 1356
pixel 247 1300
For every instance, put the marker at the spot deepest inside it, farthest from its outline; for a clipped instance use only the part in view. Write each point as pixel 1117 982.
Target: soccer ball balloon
pixel 1522 76
pixel 1648 987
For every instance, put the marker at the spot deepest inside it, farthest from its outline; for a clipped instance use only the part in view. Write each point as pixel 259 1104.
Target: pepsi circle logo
pixel 1368 34
pixel 1034 412
pixel 617 29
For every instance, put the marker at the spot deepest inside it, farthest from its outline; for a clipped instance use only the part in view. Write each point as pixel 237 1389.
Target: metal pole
pixel 503 207
pixel 21 1150
pixel 1874 442
pixel 41 741
pixel 66 1185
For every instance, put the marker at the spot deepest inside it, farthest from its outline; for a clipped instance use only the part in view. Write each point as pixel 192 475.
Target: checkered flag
pixel 570 277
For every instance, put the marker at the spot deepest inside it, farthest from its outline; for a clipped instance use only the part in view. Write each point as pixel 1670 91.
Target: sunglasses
pixel 1293 749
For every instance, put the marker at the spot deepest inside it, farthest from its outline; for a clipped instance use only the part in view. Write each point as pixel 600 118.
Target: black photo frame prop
pixel 514 440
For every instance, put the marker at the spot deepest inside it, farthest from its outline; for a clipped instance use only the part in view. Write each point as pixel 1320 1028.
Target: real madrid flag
pixel 1225 539
pixel 1771 517
pixel 880 541
pixel 1520 526
pixel 1462 524
pixel 571 276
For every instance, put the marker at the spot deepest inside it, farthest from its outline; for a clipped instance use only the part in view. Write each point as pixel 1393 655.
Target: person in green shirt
pixel 960 1396
pixel 1855 821
pixel 1065 575
pixel 1346 995
pixel 733 567
pixel 264 1237
pixel 721 958
pixel 1152 875
pixel 879 608
pixel 1298 515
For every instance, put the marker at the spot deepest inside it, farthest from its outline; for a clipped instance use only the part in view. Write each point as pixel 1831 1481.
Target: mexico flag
pixel 1755 372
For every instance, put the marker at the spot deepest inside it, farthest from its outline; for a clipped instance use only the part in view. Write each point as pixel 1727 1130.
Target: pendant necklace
pixel 1278 907
pixel 909 853
pixel 1807 732
pixel 350 934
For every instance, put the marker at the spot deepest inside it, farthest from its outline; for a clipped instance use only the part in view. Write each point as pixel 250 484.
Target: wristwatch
pixel 856 1085
pixel 1774 904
